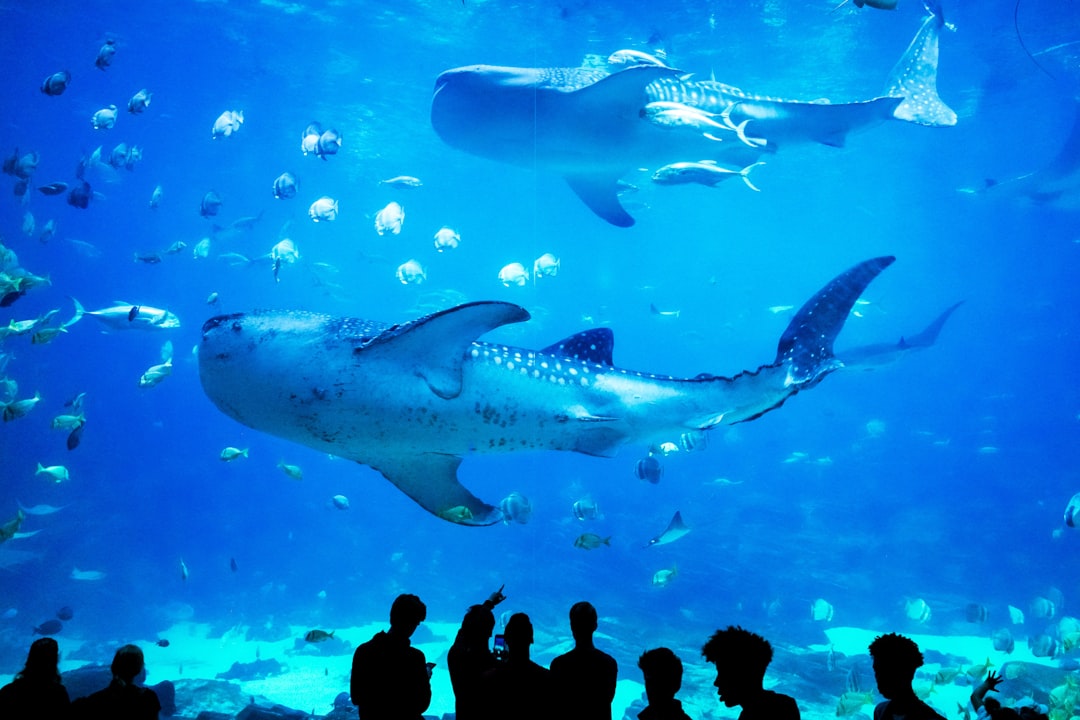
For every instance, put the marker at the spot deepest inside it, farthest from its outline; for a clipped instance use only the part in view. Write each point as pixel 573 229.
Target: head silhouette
pixel 127 663
pixel 583 620
pixel 663 674
pixel 42 660
pixel 406 614
pixel 741 658
pixel 896 658
pixel 478 624
pixel 518 633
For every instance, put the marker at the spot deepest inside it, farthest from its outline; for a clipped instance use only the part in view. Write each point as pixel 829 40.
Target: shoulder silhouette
pixel 391 680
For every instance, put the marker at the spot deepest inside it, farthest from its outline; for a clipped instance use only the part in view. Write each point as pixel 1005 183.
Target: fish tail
pixel 806 346
pixel 914 77
pixel 745 174
pixel 79 312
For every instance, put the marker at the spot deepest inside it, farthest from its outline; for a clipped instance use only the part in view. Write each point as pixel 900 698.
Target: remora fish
pixel 586 124
pixel 675 530
pixel 411 399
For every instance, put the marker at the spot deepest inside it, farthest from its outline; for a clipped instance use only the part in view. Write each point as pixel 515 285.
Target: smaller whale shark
pixel 591 126
pixel 675 530
pixel 868 357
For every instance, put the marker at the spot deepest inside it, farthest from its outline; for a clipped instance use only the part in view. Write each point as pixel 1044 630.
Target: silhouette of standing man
pixel 584 678
pixel 896 658
pixel 391 680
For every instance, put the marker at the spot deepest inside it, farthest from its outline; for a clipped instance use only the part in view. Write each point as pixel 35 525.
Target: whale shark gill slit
pixel 412 399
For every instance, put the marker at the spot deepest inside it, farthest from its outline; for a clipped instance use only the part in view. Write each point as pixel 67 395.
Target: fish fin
pixel 594 345
pixel 436 345
pixel 600 193
pixel 807 343
pixel 677 523
pixel 914 77
pixel 79 312
pixel 431 480
pixel 601 440
pixel 929 335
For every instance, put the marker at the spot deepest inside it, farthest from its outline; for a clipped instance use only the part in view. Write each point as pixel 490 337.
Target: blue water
pixel 953 495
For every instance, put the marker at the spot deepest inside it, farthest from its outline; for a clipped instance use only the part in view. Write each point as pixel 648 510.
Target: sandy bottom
pixel 312 680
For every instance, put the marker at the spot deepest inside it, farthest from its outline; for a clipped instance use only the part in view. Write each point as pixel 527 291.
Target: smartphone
pixel 500 647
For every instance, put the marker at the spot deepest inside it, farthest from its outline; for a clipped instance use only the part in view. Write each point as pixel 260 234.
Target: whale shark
pixel 412 399
pixel 874 355
pixel 591 126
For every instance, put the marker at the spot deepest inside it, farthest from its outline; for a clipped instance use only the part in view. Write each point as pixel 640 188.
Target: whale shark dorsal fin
pixel 431 480
pixel 624 90
pixel 435 345
pixel 600 192
pixel 594 345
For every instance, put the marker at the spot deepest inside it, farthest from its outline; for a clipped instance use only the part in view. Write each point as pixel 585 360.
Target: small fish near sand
pixel 318 636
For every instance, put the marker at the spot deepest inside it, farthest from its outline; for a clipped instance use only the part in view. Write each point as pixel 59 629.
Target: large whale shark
pixel 591 126
pixel 411 400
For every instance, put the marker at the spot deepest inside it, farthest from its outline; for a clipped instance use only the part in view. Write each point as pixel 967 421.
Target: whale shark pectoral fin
pixel 806 346
pixel 600 193
pixel 914 77
pixel 431 480
pixel 594 345
pixel 435 345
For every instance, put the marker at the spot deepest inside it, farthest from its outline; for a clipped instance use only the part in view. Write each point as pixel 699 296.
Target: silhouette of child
pixel 585 677
pixel 390 679
pixel 122 698
pixel 741 658
pixel 36 691
pixel 896 658
pixel 663 678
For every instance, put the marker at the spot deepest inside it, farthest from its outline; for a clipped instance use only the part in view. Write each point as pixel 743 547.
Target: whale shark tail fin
pixel 930 333
pixel 806 347
pixel 914 77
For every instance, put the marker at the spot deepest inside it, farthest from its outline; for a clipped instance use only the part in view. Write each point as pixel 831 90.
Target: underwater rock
pixel 213 699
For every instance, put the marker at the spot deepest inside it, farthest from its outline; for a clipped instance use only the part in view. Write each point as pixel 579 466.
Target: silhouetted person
pixel 584 678
pixel 741 658
pixel 517 682
pixel 982 704
pixel 36 691
pixel 470 660
pixel 896 658
pixel 123 699
pixel 663 677
pixel 391 680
